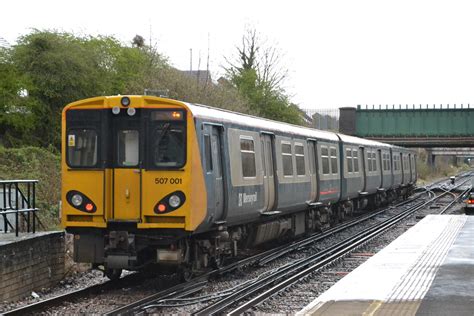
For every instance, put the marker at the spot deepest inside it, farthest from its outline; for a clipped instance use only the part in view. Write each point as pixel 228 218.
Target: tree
pixel 59 68
pixel 258 76
pixel 138 41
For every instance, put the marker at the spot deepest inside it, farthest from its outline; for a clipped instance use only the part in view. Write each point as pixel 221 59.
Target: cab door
pixel 126 173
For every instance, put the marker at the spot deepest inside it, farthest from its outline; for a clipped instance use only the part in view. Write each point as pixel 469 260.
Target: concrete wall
pixel 30 263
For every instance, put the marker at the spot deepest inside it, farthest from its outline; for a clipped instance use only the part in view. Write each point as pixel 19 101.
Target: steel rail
pixel 54 301
pixel 290 274
pixel 172 292
pixel 74 295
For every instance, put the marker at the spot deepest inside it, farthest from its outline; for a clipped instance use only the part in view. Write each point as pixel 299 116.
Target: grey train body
pixel 268 178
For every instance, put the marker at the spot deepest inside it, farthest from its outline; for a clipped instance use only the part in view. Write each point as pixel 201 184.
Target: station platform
pixel 8 238
pixel 30 262
pixel 429 270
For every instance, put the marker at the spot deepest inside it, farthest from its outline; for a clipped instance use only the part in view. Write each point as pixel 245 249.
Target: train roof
pixel 362 141
pixel 222 115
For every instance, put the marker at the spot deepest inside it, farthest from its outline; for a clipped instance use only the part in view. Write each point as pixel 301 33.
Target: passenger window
pixel 287 159
pixel 299 156
pixel 247 151
pixel 270 157
pixel 82 148
pixel 355 158
pixel 349 160
pixel 325 159
pixel 207 152
pixel 216 153
pixel 312 161
pixel 127 148
pixel 334 168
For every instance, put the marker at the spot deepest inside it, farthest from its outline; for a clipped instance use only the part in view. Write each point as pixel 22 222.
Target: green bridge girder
pixel 411 126
pixel 441 122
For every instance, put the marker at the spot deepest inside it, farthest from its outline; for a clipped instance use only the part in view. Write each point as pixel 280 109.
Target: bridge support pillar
pixel 347 121
pixel 455 161
pixel 430 159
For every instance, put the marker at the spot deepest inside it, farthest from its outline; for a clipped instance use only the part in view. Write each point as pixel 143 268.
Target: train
pixel 151 183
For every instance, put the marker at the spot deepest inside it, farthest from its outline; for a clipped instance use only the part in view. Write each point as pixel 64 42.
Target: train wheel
pixel 185 273
pixel 217 261
pixel 113 274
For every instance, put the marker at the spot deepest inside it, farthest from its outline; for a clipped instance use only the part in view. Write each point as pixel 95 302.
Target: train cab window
pixel 247 151
pixel 127 148
pixel 325 159
pixel 82 148
pixel 299 156
pixel 207 153
pixel 287 159
pixel 334 168
pixel 349 160
pixel 169 145
pixel 355 158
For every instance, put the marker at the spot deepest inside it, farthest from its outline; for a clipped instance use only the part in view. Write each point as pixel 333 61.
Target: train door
pixel 312 169
pixel 412 167
pixel 213 170
pixel 126 173
pixel 402 164
pixel 380 163
pixel 364 168
pixel 268 172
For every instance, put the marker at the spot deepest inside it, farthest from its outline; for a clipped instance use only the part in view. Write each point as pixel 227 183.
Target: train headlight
pixel 125 101
pixel 116 110
pixel 174 201
pixel 131 111
pixel 76 200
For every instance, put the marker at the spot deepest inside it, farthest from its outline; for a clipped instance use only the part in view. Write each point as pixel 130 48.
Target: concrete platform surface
pixel 429 270
pixel 8 238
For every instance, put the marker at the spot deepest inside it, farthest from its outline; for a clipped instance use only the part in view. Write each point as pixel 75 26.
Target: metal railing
pixel 18 202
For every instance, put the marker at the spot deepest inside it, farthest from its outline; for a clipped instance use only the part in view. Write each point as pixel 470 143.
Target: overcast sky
pixel 338 53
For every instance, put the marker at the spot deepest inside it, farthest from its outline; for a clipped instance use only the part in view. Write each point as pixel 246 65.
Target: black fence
pixel 18 206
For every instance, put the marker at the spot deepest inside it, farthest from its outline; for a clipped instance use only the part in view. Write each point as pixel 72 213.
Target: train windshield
pixel 168 141
pixel 82 146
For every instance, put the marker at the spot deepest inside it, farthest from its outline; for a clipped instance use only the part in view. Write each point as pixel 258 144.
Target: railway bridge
pixel 435 128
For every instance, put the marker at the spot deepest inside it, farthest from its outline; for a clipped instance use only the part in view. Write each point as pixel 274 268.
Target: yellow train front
pixel 127 165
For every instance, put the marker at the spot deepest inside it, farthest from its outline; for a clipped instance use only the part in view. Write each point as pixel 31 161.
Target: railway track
pixel 288 275
pixel 261 288
pixel 254 292
pixel 75 295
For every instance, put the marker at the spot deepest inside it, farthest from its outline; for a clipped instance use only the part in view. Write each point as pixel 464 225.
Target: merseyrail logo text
pixel 245 198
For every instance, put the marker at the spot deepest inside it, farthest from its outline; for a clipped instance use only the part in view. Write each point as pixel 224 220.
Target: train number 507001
pixel 168 180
